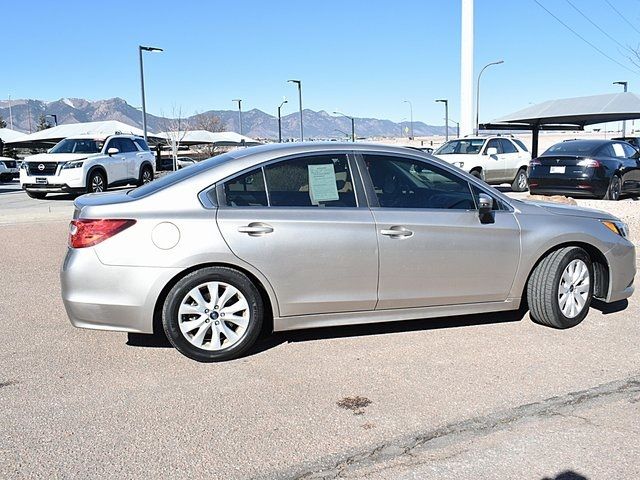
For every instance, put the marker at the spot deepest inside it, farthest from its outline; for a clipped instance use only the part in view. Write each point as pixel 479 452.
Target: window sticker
pixel 322 183
pixel 619 151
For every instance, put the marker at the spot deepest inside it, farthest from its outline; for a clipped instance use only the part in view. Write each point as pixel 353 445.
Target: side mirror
pixel 112 151
pixel 485 208
pixel 491 151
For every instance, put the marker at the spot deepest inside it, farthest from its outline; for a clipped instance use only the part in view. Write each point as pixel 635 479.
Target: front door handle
pixel 397 231
pixel 256 229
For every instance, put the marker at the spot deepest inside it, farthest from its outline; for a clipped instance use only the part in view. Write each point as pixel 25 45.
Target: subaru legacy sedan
pixel 322 235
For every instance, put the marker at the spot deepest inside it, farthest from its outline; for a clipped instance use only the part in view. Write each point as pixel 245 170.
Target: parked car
pixel 494 159
pixel 422 149
pixel 88 164
pixel 166 163
pixel 603 169
pixel 634 141
pixel 321 235
pixel 8 169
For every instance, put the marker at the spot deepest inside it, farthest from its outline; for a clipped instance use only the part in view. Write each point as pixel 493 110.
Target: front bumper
pixel 622 270
pixel 106 297
pixel 65 180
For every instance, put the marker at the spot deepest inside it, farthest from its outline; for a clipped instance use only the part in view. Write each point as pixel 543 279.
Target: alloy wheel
pixel 522 180
pixel 146 176
pixel 573 290
pixel 615 188
pixel 213 316
pixel 97 184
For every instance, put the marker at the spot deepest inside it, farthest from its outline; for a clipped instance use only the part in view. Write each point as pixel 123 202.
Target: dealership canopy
pixel 204 137
pixel 51 136
pixel 8 135
pixel 570 114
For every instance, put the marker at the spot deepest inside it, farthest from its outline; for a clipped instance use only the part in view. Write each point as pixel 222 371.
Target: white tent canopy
pixel 202 137
pixel 8 135
pixel 55 134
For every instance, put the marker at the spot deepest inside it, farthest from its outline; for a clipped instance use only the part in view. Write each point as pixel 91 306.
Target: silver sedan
pixel 319 235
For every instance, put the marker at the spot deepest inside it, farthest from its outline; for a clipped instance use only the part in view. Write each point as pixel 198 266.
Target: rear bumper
pixel 106 297
pixel 574 187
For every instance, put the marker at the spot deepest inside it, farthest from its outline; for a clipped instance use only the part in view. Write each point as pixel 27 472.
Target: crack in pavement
pixel 332 467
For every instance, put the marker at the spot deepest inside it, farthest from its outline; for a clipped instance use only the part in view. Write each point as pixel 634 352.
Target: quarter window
pixel 406 183
pixel 314 181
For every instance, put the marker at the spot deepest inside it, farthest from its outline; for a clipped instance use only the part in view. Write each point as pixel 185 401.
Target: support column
pixel 466 69
pixel 534 141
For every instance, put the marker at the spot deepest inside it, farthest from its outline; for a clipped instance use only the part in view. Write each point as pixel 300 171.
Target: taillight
pixel 534 162
pixel 589 163
pixel 89 232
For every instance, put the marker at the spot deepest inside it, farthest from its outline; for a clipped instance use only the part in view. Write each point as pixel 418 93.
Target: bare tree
pixel 210 123
pixel 176 129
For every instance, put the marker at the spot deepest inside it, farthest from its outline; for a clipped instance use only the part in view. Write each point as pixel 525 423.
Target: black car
pixel 635 141
pixel 587 168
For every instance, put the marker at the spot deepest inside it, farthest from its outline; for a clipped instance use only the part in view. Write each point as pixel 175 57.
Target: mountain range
pixel 255 123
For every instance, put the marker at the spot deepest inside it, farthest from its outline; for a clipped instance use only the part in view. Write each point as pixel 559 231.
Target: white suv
pixel 88 164
pixel 8 169
pixel 495 160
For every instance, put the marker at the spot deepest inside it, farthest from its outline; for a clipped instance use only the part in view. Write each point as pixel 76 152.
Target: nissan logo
pixel 41 167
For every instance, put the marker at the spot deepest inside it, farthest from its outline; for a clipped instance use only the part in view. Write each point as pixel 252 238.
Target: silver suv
pixel 88 164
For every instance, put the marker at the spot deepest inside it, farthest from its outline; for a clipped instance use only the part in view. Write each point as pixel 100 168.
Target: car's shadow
pixel 269 340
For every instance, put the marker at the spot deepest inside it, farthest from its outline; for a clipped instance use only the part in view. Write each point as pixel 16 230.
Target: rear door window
pixel 507 146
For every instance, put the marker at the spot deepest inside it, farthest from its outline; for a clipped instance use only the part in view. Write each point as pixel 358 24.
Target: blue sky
pixel 359 57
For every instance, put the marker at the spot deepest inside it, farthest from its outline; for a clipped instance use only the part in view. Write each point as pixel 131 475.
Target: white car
pixel 86 164
pixel 495 160
pixel 8 169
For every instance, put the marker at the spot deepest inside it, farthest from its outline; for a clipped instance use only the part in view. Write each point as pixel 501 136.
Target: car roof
pixel 94 136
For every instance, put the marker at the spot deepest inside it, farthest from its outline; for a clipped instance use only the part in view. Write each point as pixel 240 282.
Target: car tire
pixel 560 288
pixel 477 174
pixel 195 324
pixel 521 182
pixel 37 195
pixel 96 182
pixel 146 175
pixel 615 189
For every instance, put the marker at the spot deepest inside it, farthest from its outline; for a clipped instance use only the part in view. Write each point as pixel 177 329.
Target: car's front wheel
pixel 560 288
pixel 213 314
pixel 520 183
pixel 96 182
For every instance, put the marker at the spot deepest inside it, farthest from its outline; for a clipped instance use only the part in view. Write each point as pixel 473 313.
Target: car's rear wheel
pixel 560 288
pixel 146 175
pixel 476 173
pixel 615 189
pixel 97 182
pixel 38 195
pixel 520 183
pixel 213 314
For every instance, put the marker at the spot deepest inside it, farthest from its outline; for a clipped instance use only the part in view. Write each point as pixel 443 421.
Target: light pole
pixel 446 116
pixel 299 83
pixel 10 114
pixel 141 49
pixel 478 93
pixel 280 121
pixel 411 112
pixel 457 127
pixel 624 122
pixel 239 100
pixel 353 125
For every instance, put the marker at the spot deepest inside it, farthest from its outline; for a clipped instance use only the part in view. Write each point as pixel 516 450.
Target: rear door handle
pixel 397 231
pixel 256 229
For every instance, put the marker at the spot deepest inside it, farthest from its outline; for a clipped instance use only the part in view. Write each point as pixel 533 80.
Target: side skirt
pixel 395 315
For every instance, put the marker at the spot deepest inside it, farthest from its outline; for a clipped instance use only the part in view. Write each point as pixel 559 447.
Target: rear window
pixel 571 148
pixel 182 174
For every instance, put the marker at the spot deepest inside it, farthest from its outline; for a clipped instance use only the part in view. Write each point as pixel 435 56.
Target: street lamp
pixel 353 125
pixel 446 116
pixel 10 114
pixel 411 111
pixel 624 122
pixel 341 131
pixel 239 100
pixel 478 93
pixel 141 49
pixel 299 83
pixel 280 121
pixel 457 127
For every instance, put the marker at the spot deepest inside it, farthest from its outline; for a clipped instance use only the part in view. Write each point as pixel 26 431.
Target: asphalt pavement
pixel 483 396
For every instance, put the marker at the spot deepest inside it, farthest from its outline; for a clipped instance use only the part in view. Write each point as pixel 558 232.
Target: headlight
pixel 458 164
pixel 619 228
pixel 72 165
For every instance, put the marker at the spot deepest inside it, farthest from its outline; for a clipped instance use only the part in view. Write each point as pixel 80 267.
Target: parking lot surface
pixel 484 396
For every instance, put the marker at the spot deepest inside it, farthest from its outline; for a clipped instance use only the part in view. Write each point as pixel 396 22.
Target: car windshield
pixel 78 145
pixel 465 146
pixel 571 148
pixel 179 175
